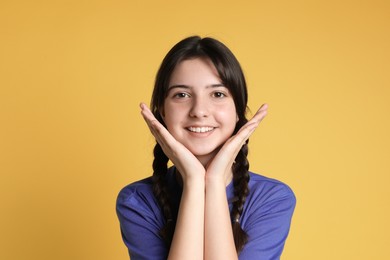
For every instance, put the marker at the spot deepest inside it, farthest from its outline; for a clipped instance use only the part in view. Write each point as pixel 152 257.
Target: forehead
pixel 196 71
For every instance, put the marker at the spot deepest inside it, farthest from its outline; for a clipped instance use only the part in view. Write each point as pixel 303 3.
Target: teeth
pixel 200 129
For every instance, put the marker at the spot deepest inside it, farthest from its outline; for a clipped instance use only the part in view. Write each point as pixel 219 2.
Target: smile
pixel 200 129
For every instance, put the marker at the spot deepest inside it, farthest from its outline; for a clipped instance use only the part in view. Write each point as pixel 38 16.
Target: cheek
pixel 228 117
pixel 173 119
pixel 169 122
pixel 167 116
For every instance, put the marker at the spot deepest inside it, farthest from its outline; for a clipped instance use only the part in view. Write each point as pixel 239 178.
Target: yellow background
pixel 73 72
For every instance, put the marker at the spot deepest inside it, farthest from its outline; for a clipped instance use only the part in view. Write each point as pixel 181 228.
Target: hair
pixel 232 77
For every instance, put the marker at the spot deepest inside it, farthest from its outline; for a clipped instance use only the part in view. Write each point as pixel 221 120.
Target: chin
pixel 204 153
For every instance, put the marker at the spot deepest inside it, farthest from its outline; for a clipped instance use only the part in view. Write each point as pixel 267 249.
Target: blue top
pixel 266 217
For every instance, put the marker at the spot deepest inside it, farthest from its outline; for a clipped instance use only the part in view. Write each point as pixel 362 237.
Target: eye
pixel 181 95
pixel 219 94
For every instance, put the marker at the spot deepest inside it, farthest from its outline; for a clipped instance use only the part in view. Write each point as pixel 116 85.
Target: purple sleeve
pixel 140 222
pixel 268 225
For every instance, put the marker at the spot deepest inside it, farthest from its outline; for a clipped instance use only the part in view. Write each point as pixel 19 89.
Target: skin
pixel 197 99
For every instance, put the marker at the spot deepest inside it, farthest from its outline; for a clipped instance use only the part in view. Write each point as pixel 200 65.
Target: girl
pixel 208 205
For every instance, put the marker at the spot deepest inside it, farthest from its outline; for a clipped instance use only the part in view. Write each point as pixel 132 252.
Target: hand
pixel 187 164
pixel 220 166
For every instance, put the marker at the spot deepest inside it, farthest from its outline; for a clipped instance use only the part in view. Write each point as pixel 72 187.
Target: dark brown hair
pixel 232 77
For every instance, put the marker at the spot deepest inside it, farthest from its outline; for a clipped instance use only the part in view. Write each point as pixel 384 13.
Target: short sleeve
pixel 268 223
pixel 140 221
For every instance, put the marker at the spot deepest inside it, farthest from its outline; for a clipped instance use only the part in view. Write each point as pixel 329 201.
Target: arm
pixel 219 242
pixel 187 242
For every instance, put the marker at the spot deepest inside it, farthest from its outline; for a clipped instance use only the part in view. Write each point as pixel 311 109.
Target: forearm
pixel 187 242
pixel 219 242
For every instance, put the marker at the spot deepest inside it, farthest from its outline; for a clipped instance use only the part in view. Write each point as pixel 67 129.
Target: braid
pixel 241 191
pixel 160 191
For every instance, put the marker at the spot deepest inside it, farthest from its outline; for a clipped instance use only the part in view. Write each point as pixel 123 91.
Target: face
pixel 199 110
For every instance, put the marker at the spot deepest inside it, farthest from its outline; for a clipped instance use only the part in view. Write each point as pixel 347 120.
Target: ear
pixel 237 118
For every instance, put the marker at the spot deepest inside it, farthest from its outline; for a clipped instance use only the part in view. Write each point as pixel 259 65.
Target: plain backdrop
pixel 72 74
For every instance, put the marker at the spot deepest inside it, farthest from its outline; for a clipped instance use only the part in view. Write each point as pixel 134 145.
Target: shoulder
pixel 269 193
pixel 143 186
pixel 137 194
pixel 273 188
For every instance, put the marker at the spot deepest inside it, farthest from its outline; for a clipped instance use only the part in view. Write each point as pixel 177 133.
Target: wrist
pixel 218 181
pixel 217 176
pixel 193 181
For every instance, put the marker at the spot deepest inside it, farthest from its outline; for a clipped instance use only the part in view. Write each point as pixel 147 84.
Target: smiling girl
pixel 208 205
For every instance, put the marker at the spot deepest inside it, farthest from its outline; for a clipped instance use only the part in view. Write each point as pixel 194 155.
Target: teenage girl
pixel 208 205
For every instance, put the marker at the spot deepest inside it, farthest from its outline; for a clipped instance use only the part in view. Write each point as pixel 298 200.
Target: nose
pixel 199 108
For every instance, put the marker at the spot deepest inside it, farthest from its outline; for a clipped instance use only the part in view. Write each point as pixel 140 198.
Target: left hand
pixel 220 166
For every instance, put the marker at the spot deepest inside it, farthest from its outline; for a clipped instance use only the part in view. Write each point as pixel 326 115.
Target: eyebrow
pixel 188 87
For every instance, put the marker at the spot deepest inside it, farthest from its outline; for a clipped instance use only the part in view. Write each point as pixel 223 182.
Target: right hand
pixel 187 164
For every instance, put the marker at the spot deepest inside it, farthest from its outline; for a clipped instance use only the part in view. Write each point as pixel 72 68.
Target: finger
pixel 147 114
pixel 183 159
pixel 252 124
pixel 149 122
pixel 237 141
pixel 247 130
pixel 154 125
pixel 162 135
pixel 260 114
